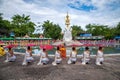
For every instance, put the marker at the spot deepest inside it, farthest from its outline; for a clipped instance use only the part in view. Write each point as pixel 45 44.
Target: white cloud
pixel 55 10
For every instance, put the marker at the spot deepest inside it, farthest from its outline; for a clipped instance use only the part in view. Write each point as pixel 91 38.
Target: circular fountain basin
pixel 93 50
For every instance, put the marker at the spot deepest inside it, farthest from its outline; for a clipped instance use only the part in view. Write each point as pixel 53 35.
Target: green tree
pixel 22 25
pixel 51 30
pixel 5 26
pixel 117 30
pixel 96 30
pixel 102 30
pixel 109 33
pixel 76 30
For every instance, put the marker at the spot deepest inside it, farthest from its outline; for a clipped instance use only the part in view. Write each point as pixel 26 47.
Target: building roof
pixel 117 37
pixel 90 37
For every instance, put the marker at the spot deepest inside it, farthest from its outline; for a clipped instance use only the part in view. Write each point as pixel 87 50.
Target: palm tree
pixel 22 25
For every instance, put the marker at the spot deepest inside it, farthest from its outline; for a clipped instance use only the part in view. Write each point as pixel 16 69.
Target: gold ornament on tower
pixel 67 20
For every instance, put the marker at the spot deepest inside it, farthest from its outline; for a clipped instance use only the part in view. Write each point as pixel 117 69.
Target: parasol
pixel 31 44
pixel 46 46
pixel 11 46
pixel 58 43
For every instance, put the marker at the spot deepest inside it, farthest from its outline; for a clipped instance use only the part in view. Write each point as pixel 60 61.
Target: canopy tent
pixel 19 38
pixel 10 38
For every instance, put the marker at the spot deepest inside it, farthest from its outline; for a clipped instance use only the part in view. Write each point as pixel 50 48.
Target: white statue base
pixel 67 35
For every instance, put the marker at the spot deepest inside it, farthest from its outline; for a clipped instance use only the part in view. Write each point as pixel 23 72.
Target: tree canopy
pixel 96 30
pixel 4 26
pixel 22 25
pixel 76 30
pixel 51 30
pixel 117 29
pixel 100 30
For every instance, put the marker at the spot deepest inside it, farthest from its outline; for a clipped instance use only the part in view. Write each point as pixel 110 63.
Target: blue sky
pixel 82 12
pixel 78 5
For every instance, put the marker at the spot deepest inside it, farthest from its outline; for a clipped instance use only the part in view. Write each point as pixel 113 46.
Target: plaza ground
pixel 110 70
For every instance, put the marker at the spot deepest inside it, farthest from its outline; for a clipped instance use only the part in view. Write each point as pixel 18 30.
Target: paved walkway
pixel 110 70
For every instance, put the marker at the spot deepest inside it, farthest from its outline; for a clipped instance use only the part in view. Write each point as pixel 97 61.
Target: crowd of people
pixel 60 54
pixel 106 43
pixel 24 43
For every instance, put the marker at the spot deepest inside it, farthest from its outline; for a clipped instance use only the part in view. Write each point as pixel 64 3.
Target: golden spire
pixel 67 20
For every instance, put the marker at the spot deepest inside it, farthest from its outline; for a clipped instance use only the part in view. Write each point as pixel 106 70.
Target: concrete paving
pixel 110 70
